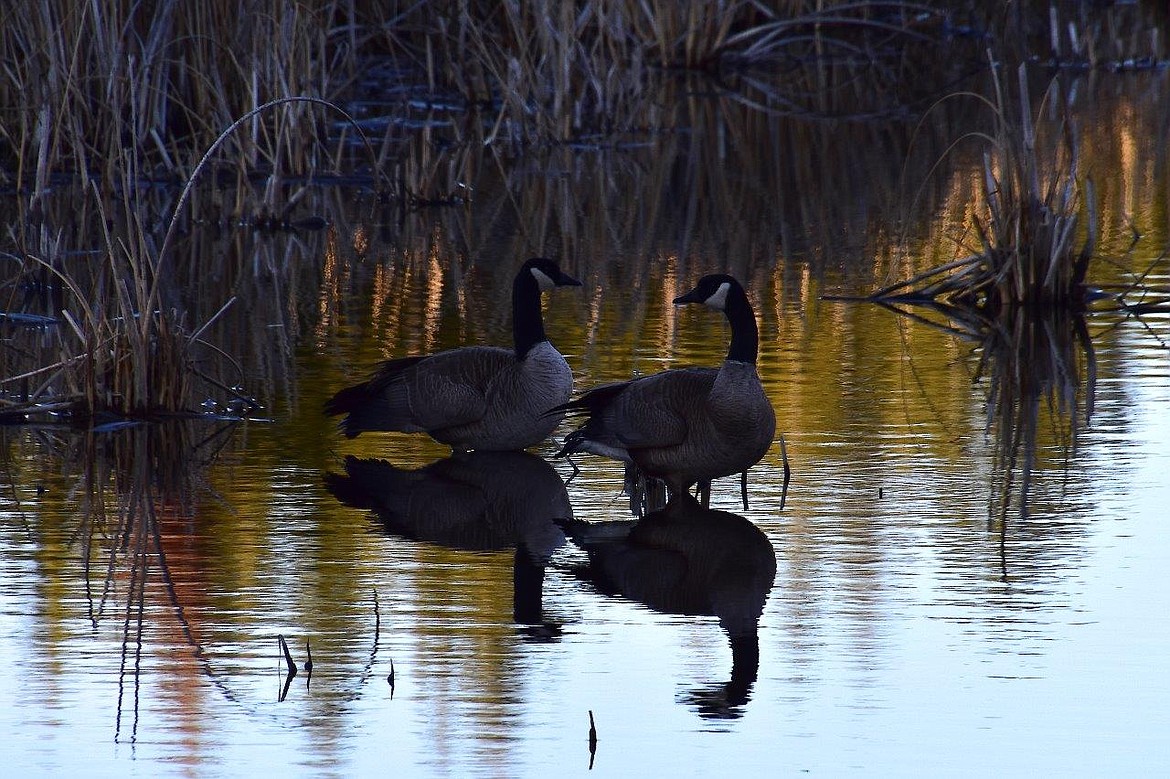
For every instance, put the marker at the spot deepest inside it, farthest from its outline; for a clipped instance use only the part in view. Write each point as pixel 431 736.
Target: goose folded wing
pixel 655 411
pixel 452 388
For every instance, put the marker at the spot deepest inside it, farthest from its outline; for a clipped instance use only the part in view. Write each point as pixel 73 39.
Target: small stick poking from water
pixel 309 662
pixel 377 618
pixel 592 740
pixel 292 667
pixel 390 678
pixel 787 472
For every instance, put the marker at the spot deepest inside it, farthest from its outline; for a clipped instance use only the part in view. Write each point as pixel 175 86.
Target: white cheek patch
pixel 719 299
pixel 543 281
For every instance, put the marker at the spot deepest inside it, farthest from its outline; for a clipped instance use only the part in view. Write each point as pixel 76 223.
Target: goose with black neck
pixel 685 426
pixel 472 397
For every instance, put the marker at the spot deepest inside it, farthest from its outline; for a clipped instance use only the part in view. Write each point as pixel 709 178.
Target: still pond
pixel 931 611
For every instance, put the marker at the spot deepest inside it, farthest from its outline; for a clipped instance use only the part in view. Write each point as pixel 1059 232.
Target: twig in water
pixel 592 739
pixel 787 472
pixel 390 678
pixel 377 618
pixel 309 662
pixel 292 667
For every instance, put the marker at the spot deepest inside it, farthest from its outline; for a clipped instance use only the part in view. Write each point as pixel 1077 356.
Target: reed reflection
pixel 692 560
pixel 131 506
pixel 475 501
pixel 1034 363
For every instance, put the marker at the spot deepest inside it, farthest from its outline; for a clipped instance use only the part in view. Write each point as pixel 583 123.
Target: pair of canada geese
pixel 684 426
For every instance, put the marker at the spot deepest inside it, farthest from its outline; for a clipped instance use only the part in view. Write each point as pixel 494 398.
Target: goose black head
pixel 548 274
pixel 712 291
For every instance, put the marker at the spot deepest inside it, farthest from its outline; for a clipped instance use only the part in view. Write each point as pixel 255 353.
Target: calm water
pixel 906 630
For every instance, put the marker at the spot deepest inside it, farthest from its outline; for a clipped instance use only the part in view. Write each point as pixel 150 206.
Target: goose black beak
pixel 694 296
pixel 565 280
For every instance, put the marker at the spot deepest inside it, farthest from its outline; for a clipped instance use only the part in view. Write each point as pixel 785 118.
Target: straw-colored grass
pixel 115 98
pixel 1038 228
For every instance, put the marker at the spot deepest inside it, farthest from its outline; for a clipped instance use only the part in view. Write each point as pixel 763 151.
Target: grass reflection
pixel 136 488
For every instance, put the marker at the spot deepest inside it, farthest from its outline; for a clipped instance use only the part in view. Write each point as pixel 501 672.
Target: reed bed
pixel 86 80
pixel 120 100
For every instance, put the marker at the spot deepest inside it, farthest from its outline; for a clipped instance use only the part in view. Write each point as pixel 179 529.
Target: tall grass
pixel 1039 226
pixel 84 80
pixel 87 81
pixel 116 98
pixel 133 355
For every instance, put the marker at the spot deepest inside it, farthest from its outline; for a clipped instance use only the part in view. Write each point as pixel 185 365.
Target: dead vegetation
pixel 117 103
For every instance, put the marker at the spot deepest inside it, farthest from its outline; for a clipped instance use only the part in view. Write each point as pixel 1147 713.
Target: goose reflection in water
pixel 477 501
pixel 688 559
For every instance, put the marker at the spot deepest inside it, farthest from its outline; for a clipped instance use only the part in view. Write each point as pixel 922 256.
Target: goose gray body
pixel 472 397
pixel 687 425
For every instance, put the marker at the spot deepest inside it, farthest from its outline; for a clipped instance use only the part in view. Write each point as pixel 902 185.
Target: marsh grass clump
pixel 108 348
pixel 1034 253
pixel 1038 227
pixel 122 351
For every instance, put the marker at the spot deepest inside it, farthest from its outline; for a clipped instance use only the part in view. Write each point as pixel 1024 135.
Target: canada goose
pixel 472 397
pixel 686 559
pixel 687 425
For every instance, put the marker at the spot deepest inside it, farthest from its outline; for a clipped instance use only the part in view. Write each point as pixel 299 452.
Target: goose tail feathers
pixel 381 403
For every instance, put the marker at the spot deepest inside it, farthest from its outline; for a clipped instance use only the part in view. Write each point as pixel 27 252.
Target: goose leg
pixel 656 494
pixel 743 489
pixel 576 470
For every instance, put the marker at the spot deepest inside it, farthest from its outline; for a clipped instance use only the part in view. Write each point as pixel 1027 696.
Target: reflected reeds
pixel 1036 368
pixel 134 497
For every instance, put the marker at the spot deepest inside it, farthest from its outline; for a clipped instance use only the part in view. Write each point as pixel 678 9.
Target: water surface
pixel 911 626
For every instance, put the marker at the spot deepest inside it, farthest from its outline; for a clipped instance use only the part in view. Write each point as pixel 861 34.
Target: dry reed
pixel 126 95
